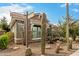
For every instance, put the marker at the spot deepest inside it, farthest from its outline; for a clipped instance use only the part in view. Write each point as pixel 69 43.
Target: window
pixel 36 31
pixel 20 30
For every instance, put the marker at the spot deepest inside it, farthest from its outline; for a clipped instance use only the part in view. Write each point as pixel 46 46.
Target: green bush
pixel 10 35
pixel 4 39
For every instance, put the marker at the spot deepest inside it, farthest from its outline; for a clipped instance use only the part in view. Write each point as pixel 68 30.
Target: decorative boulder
pixel 58 46
pixel 28 52
pixel 15 48
pixel 48 46
pixel 70 43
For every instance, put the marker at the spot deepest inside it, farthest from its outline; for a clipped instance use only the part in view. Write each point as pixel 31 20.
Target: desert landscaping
pixel 31 34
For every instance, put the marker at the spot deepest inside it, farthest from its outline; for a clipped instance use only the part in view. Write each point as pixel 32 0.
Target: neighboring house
pixel 17 26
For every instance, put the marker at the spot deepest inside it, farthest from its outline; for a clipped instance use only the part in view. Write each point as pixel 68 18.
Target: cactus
pixel 43 32
pixel 67 26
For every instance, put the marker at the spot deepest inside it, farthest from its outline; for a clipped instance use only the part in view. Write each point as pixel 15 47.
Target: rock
pixel 70 43
pixel 28 52
pixel 15 48
pixel 48 47
pixel 58 45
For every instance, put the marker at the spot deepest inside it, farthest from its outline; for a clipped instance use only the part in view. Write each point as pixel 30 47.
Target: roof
pixel 21 17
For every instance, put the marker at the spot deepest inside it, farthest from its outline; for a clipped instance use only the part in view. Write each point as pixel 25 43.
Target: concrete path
pixel 75 53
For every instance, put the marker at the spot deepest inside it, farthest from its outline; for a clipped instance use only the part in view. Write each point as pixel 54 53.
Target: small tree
pixel 4 25
pixel 49 33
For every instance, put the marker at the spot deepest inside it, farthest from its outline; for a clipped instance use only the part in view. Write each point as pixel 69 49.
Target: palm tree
pixel 73 27
pixel 68 27
pixel 62 27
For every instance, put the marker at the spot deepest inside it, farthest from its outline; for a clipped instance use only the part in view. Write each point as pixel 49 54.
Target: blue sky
pixel 54 11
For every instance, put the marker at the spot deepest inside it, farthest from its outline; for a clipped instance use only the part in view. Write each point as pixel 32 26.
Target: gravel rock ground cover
pixel 19 50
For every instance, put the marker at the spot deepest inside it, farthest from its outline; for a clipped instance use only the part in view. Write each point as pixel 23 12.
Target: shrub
pixel 77 39
pixel 4 39
pixel 10 35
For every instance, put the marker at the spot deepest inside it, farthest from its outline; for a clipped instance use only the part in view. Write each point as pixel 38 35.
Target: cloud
pixel 62 5
pixel 20 8
pixel 75 10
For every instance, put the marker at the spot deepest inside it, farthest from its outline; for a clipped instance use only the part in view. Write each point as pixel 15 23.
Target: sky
pixel 54 11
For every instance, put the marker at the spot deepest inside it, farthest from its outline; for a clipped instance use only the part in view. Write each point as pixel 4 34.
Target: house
pixel 17 26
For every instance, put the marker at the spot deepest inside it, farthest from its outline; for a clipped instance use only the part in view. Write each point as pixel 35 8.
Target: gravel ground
pixel 36 50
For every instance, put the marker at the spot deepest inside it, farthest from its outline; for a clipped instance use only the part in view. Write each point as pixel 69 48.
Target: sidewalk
pixel 75 53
